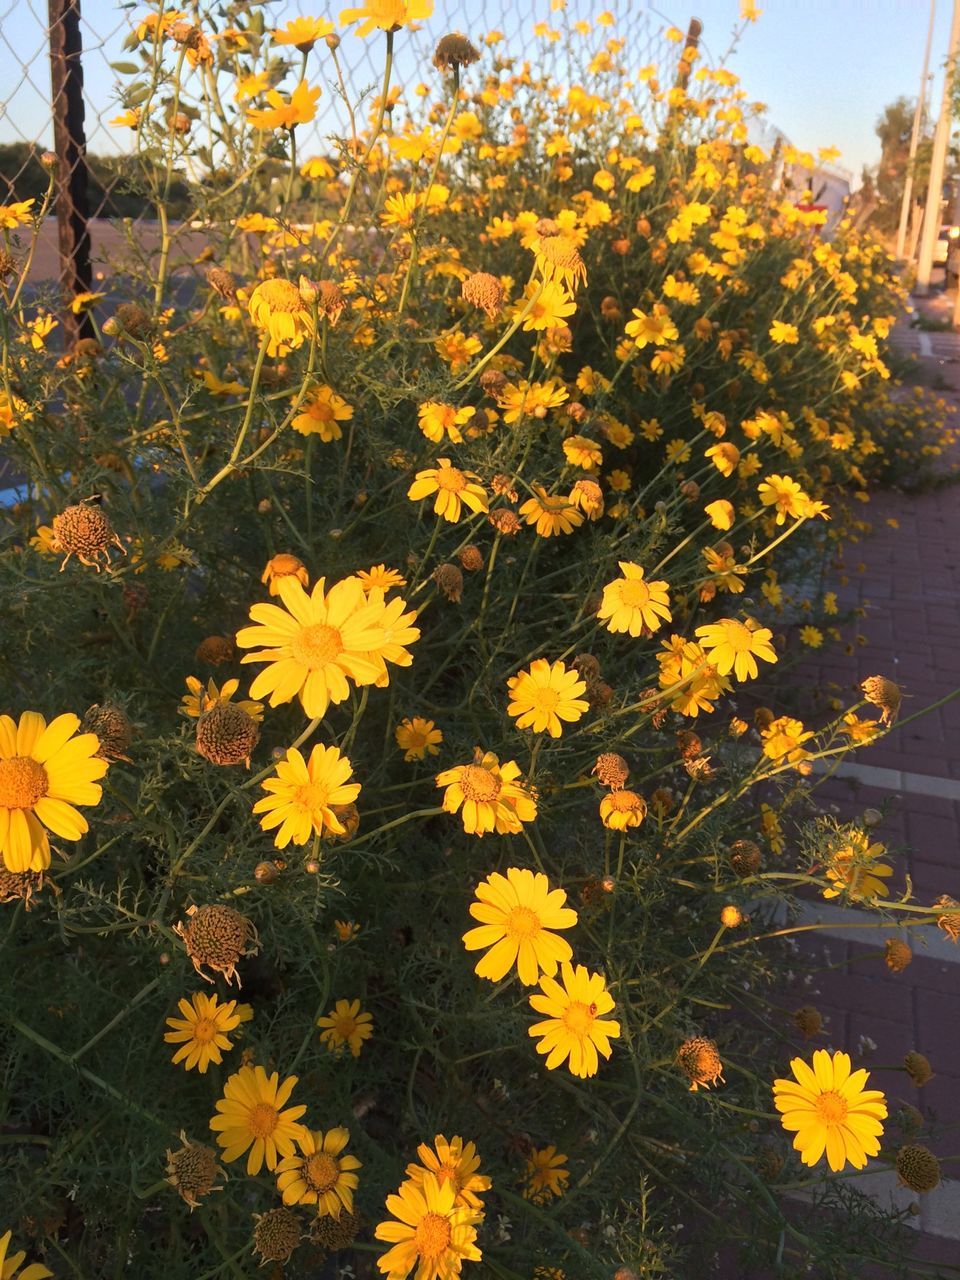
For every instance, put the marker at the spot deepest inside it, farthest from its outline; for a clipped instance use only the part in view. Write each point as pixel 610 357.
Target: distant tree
pixel 116 183
pixel 894 127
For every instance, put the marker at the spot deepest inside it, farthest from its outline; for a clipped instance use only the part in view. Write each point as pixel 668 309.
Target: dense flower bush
pixel 394 862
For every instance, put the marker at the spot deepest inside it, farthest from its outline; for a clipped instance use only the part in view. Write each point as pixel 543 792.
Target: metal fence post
pixel 66 77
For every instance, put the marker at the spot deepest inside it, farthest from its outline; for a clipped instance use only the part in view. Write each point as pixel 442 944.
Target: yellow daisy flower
pixel 551 515
pixel 828 1109
pixel 454 1162
pixel 9 1264
pixel 575 1030
pixel 315 644
pixel 300 108
pixel 251 1116
pixel 201 1032
pixel 277 309
pixel 380 576
pixel 454 489
pixel 284 565
pixel 429 1231
pixel 321 415
pixel 630 603
pixel 437 420
pixel 398 631
pixel 321 1174
pixel 304 796
pixel 582 452
pixel 544 1175
pixel 417 738
pixel 199 699
pixel 783 740
pixel 545 695
pixel 622 809
pixel 735 646
pixel 784 494
pixel 489 795
pixel 518 913
pixel 346 1026
pixel 302 33
pixel 853 868
pixel 45 769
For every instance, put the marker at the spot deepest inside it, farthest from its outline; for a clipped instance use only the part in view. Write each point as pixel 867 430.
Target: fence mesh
pixel 538 32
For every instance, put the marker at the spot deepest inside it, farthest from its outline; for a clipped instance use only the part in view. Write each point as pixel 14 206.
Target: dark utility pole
pixel 69 144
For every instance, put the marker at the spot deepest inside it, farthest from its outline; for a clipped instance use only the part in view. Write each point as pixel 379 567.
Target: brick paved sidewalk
pixel 909 589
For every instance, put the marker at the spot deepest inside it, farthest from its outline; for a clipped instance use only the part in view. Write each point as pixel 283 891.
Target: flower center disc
pixel 204 1030
pixel 739 637
pixel 578 1018
pixel 451 479
pixel 634 593
pixel 317 645
pixel 523 923
pixel 479 784
pixel 281 295
pixel 546 699
pixel 311 796
pixel 831 1107
pixel 432 1235
pixel 23 781
pixel 321 1171
pixel 262 1120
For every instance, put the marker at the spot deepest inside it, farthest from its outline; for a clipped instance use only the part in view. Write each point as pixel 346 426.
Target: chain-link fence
pixel 70 70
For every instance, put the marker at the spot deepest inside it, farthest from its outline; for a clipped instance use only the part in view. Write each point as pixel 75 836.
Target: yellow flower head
pixel 303 797
pixel 783 740
pixel 455 1162
pixel 201 1032
pixel 828 1109
pixel 11 1262
pixel 545 695
pixel 300 108
pixel 853 869
pixel 544 1175
pixel 735 646
pixel 284 565
pixel 346 1026
pixel 631 604
pixel 322 414
pixel 428 1230
pixel 315 644
pixel 321 1174
pixel 622 809
pixel 437 420
pixel 277 310
pixel 302 33
pixel 488 795
pixel 552 515
pixel 518 913
pixel 574 1029
pixel 454 489
pixel 250 1116
pixel 417 738
pixel 45 770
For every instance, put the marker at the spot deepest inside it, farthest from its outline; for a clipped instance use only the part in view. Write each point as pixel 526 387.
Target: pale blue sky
pixel 825 68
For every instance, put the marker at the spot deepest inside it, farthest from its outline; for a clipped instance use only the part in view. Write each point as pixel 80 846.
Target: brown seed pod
pixel 699 1059
pixel 611 770
pixel 918 1168
pixel 193 1171
pixel 216 937
pixel 226 734
pixel 85 532
pixel 113 728
pixel 276 1234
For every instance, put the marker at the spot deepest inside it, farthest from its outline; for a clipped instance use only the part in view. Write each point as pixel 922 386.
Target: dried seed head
pixel 484 291
pixel 949 919
pixel 610 308
pixel 276 1234
pixel 588 496
pixel 112 727
pixel 85 532
pixel 745 858
pixel 8 264
pixel 699 1059
pixel 587 666
pixel 763 718
pixel 266 873
pixel 19 886
pixel 215 650
pixel 690 490
pixel 132 319
pixel 215 938
pixel 330 300
pixel 909 1119
pixel 662 802
pixel 882 693
pixel 612 770
pixel 503 485
pixel 471 558
pixel 769 1163
pixel 349 816
pixel 453 52
pixel 599 694
pixel 193 1171
pixel 335 1233
pixel 808 1021
pixel 222 283
pixel 651 703
pixel 450 581
pixel 505 521
pixel 918 1168
pixel 226 734
pixel 492 383
pixel 688 744
pixel 897 955
pixel 917 1068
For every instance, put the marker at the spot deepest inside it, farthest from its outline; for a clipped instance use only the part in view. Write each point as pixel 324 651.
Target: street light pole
pixel 915 139
pixel 941 138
